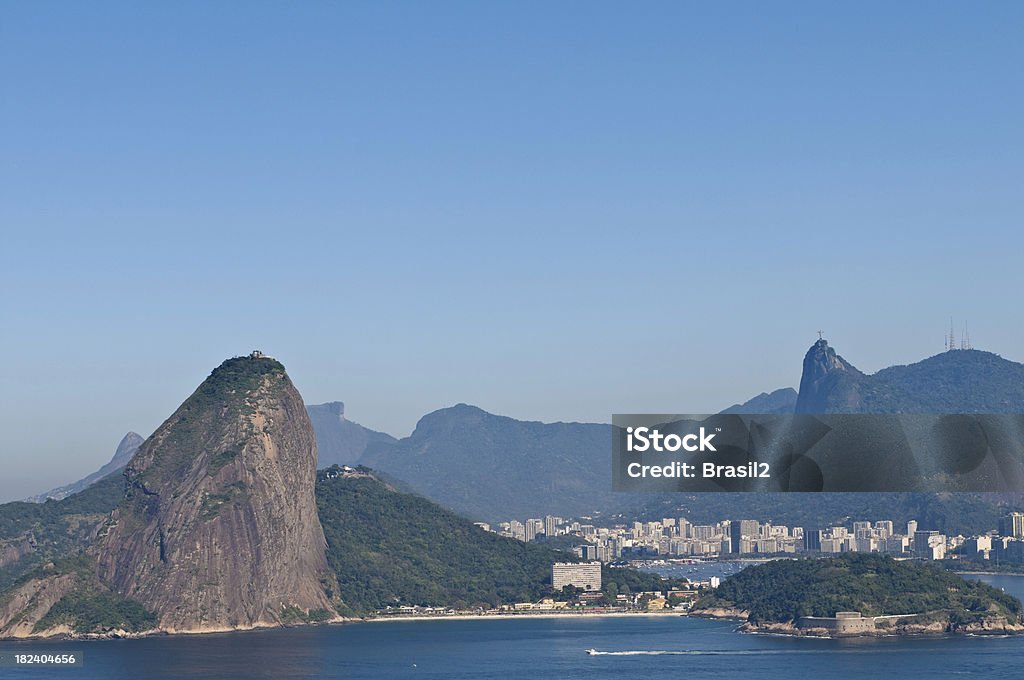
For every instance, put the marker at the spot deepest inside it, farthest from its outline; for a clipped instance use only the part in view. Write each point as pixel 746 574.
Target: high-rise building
pixel 832 545
pixel 684 528
pixel 1012 525
pixel 1017 524
pixel 739 530
pixel 583 575
pixel 702 532
pixel 812 540
pixel 911 527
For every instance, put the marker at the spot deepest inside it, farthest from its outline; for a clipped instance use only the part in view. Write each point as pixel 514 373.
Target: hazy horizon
pixel 89 463
pixel 551 212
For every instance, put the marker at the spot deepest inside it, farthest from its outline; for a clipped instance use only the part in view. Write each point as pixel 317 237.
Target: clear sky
pixel 554 211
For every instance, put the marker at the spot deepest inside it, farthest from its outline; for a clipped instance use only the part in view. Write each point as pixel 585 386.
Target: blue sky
pixel 555 211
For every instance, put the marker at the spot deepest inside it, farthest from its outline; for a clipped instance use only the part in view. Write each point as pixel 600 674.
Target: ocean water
pixel 533 648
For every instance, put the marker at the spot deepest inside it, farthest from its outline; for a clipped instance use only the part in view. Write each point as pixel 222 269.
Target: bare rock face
pixel 14 549
pixel 219 527
pixel 22 607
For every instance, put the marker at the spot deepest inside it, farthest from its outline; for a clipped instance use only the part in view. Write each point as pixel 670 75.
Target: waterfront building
pixel 583 575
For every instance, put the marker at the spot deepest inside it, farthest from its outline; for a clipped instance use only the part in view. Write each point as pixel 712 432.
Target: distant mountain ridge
pixel 491 467
pixel 130 443
pixel 779 401
pixel 956 381
pixel 339 441
pixel 220 522
pixel 487 466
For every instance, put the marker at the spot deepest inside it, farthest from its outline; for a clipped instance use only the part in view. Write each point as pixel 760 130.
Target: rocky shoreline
pixel 931 625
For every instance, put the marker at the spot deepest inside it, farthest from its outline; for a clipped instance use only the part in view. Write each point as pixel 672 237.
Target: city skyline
pixel 677 537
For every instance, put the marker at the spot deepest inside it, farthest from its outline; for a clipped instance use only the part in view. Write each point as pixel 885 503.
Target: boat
pixel 591 651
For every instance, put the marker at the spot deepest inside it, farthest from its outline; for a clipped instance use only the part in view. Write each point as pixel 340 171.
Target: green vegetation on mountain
pixel 386 547
pixel 784 590
pixel 390 548
pixel 232 383
pixel 218 527
pixel 961 381
pixel 625 580
pixel 40 532
pixel 226 394
pixel 95 611
pixel 83 604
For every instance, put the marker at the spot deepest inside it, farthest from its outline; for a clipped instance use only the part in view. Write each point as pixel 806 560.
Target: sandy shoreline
pixel 538 615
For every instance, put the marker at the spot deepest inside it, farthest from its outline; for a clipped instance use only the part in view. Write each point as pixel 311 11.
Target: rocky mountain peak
pixel 822 359
pixel 130 443
pixel 334 408
pixel 823 368
pixel 219 526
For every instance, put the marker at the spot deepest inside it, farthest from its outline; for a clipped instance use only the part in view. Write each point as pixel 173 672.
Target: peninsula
pixel 857 595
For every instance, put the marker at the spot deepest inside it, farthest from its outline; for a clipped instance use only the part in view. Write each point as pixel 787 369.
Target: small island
pixel 859 594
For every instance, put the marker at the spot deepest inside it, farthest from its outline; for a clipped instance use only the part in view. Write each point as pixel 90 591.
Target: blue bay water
pixel 534 648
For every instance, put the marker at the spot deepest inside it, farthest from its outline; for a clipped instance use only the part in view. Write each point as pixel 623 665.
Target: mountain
pixel 130 443
pixel 492 467
pixel 779 401
pixel 390 548
pixel 32 534
pixel 340 441
pixel 220 522
pixel 957 381
pixel 385 548
pixel 217 528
